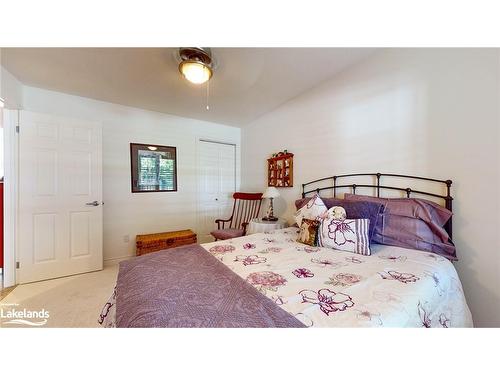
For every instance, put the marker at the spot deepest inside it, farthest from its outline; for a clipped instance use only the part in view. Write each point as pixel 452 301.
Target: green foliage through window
pixel 156 169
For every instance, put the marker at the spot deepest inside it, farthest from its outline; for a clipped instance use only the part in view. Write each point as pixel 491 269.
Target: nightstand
pixel 259 225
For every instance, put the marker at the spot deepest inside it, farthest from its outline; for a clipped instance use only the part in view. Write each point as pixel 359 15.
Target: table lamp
pixel 271 193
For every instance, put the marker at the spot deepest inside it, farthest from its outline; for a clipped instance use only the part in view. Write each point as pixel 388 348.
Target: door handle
pixel 94 203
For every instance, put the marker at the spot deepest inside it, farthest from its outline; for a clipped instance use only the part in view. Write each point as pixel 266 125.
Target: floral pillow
pixel 312 210
pixel 308 232
pixel 347 235
pixel 335 212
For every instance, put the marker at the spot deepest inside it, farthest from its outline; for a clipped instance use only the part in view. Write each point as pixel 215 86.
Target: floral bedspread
pixel 394 287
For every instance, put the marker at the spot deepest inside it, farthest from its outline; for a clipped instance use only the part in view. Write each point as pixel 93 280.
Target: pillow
pixel 412 223
pixel 308 232
pixel 313 209
pixel 354 210
pixel 346 235
pixel 335 212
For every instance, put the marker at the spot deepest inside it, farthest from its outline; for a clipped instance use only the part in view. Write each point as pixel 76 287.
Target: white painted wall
pixel 11 90
pixel 126 213
pixel 430 112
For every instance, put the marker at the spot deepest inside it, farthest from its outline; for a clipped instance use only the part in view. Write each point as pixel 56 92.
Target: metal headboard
pixel 335 185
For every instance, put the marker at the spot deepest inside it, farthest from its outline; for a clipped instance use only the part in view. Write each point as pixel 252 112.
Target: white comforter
pixel 394 287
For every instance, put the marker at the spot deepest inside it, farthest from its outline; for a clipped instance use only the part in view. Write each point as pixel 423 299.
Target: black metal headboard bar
pixel 375 175
pixel 408 191
pixel 447 198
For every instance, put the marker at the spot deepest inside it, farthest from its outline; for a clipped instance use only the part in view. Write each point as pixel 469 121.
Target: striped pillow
pixel 346 235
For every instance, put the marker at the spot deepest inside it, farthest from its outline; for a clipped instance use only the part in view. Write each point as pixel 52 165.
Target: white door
pixel 217 183
pixel 60 197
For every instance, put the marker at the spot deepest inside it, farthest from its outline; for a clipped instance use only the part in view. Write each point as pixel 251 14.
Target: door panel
pixel 81 165
pixel 46 172
pixel 227 179
pixel 45 131
pixel 217 183
pixel 80 233
pixel 208 211
pixel 59 173
pixel 44 237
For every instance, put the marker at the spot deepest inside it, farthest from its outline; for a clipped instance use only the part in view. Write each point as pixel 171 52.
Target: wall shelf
pixel 280 171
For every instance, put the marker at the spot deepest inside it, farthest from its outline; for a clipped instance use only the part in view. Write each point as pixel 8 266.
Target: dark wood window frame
pixel 134 172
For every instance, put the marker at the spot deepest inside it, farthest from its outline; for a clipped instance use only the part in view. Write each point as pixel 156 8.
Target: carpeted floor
pixel 74 301
pixel 4 292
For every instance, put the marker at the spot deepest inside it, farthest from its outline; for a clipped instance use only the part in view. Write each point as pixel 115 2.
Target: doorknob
pixel 94 203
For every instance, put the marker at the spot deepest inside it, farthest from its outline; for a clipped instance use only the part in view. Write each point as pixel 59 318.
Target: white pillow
pixel 335 212
pixel 312 210
pixel 346 235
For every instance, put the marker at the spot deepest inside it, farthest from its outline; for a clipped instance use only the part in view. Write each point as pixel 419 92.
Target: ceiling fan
pixel 196 64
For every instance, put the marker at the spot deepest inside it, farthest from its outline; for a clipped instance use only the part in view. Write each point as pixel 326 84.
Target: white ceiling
pixel 247 83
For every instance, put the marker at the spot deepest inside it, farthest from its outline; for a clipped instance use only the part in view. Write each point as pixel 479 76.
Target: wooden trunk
pixel 148 243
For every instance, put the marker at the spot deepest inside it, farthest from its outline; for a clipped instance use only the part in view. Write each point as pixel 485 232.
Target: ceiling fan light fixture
pixel 196 64
pixel 195 72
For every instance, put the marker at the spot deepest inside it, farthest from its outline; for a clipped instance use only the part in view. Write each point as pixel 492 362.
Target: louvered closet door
pixel 60 196
pixel 217 183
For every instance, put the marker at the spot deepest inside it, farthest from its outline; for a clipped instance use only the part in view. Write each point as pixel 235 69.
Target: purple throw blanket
pixel 188 287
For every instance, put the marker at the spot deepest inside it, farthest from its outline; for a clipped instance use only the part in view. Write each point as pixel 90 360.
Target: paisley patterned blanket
pixel 394 287
pixel 187 287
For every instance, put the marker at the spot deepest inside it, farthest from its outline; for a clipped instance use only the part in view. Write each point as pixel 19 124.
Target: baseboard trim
pixel 114 261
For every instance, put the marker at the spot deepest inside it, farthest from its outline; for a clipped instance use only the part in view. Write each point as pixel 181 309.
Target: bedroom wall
pixel 430 112
pixel 127 214
pixel 11 90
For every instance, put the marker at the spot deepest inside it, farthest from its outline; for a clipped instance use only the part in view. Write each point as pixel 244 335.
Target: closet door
pixel 217 183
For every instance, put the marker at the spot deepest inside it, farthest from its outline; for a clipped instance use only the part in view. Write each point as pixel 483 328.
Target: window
pixel 154 168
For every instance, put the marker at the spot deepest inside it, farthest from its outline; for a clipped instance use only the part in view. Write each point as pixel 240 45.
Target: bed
pixel 315 286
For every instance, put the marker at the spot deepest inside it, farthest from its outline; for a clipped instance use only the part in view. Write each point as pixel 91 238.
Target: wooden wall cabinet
pixel 280 171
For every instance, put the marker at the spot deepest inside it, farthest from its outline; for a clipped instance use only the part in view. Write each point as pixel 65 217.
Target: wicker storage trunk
pixel 148 243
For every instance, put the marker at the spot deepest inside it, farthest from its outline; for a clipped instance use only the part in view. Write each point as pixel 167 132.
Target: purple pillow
pixel 353 209
pixel 412 223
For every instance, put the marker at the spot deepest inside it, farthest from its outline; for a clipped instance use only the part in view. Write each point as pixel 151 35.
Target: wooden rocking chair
pixel 246 207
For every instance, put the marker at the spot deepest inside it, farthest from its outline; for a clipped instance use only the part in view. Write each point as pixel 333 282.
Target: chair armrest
pixel 219 221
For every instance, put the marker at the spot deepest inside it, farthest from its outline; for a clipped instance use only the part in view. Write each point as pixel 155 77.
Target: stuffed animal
pixel 304 233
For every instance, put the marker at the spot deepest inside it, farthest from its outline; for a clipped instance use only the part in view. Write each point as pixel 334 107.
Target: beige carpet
pixel 4 292
pixel 74 301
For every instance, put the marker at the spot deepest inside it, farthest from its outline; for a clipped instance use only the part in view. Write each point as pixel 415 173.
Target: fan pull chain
pixel 208 95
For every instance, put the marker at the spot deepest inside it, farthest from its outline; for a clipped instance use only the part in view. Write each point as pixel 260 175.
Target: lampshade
pixel 271 192
pixel 195 71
